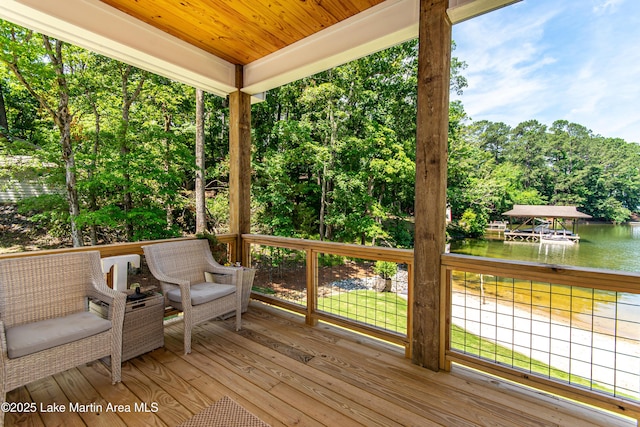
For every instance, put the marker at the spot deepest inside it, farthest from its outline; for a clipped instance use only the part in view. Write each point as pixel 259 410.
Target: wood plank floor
pixel 289 374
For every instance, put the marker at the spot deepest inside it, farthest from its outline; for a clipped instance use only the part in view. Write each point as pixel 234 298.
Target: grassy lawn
pixel 384 310
pixel 472 344
pixel 389 311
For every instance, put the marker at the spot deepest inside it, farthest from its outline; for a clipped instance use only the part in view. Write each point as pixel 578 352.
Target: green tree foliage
pixel 339 146
pixel 385 269
pixel 45 68
pixel 333 155
pixel 562 165
pixel 130 135
pixel 135 150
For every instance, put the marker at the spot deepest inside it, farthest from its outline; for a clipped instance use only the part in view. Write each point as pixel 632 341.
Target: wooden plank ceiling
pixel 241 31
pixel 200 42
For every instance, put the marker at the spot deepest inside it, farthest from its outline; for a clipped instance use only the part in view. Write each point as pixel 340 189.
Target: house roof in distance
pixel 545 211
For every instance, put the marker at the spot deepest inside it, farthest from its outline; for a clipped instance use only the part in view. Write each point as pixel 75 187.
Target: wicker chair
pixel 45 325
pixel 180 267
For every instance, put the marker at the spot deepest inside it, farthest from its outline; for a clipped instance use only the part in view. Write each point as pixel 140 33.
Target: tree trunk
pixel 325 231
pixel 167 162
pixel 125 150
pixel 93 202
pixel 63 119
pixel 64 124
pixel 4 123
pixel 127 202
pixel 124 155
pixel 323 200
pixel 387 285
pixel 201 212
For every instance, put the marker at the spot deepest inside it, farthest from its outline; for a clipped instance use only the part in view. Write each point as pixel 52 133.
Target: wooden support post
pixel 312 287
pixel 431 179
pixel 445 316
pixel 410 297
pixel 240 164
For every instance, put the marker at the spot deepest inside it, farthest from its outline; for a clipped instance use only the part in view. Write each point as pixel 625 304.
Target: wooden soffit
pixel 242 31
pixel 200 42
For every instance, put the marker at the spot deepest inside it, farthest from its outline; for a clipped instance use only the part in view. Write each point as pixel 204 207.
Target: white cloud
pixel 607 6
pixel 603 96
pixel 504 62
pixel 534 60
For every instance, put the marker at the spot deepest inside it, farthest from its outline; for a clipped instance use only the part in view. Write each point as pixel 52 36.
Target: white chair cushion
pixel 37 336
pixel 203 292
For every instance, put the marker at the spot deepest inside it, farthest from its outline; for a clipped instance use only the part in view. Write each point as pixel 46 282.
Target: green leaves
pixel 385 269
pixel 532 164
pixel 340 158
pixel 333 154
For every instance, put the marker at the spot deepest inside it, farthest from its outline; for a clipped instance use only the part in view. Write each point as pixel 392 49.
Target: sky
pixel 548 60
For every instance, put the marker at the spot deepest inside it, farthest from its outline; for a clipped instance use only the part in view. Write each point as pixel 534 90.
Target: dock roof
pixel 545 211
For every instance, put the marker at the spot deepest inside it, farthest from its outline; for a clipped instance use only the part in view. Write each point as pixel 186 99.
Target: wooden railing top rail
pixel 560 274
pixel 608 280
pixel 114 248
pixel 343 249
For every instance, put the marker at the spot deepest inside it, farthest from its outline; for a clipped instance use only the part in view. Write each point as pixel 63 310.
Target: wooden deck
pixel 289 374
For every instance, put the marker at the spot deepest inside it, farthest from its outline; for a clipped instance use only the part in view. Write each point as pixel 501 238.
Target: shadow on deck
pixel 287 373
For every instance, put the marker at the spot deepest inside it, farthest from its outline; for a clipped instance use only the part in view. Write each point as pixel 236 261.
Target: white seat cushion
pixel 37 336
pixel 203 292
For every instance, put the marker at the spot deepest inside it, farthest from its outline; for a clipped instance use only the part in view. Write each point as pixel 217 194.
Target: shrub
pixel 385 269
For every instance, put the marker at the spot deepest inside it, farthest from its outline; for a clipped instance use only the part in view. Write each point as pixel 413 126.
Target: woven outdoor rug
pixel 224 413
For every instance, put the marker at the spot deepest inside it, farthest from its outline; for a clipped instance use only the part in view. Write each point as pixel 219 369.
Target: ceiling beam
pixel 98 27
pixel 379 27
pixel 462 10
pixel 384 25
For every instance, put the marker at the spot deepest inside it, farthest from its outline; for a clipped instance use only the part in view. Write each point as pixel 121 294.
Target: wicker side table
pixel 143 328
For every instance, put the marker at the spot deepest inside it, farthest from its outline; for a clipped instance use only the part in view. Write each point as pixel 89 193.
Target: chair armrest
pixel 222 278
pixel 117 302
pixel 100 291
pixel 103 293
pixel 234 273
pixel 184 285
pixel 170 280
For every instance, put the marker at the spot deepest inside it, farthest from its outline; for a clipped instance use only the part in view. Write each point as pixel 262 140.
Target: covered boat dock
pixel 542 223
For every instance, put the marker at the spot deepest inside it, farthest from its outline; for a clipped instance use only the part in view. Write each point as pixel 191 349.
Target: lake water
pixel 607 246
pixel 603 246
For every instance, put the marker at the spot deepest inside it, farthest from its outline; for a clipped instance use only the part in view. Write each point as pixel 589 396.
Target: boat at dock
pixel 558 239
pixel 496 227
pixel 544 224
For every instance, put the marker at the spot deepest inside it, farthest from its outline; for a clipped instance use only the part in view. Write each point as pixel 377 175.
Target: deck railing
pixel 116 249
pixel 363 288
pixel 571 331
pixel 126 248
